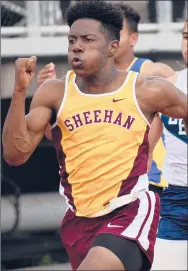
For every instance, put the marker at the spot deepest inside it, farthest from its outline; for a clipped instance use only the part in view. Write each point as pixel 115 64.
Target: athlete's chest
pixel 111 111
pixel 115 111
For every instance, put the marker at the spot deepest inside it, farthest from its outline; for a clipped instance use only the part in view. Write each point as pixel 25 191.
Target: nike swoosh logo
pixel 118 100
pixel 114 226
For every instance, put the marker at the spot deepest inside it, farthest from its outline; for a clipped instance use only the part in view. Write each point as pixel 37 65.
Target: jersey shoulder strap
pixel 136 67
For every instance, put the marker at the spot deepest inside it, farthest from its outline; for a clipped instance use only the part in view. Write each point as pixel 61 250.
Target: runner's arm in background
pixel 155 134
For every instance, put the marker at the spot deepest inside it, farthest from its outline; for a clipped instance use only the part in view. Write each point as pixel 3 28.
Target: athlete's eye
pixel 88 40
pixel 72 41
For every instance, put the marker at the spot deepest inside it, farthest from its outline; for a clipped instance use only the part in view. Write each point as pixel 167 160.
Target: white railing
pixel 46 37
pixel 64 29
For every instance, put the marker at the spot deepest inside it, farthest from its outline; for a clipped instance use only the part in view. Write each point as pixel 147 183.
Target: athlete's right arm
pixel 22 134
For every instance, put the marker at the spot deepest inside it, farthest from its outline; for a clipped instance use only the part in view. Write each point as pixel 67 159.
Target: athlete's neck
pixel 103 82
pixel 124 62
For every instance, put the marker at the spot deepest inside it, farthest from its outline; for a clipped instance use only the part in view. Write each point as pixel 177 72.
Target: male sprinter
pixel 173 226
pixel 125 59
pixel 102 125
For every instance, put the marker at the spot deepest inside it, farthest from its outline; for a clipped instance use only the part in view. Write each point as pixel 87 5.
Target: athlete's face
pixel 184 44
pixel 89 49
pixel 128 40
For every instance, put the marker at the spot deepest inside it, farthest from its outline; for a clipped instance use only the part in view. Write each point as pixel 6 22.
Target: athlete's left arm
pixel 164 97
pixel 157 69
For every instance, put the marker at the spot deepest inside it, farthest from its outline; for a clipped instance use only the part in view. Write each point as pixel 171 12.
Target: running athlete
pixel 173 226
pixel 125 59
pixel 102 125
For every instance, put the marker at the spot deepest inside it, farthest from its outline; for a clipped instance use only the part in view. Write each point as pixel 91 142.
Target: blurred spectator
pixel 178 7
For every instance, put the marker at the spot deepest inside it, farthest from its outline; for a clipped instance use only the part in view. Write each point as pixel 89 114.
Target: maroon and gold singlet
pixel 102 145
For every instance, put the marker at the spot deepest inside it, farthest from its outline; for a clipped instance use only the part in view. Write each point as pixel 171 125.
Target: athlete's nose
pixel 77 48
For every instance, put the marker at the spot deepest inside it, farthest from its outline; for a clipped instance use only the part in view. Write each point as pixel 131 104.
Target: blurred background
pixel 31 208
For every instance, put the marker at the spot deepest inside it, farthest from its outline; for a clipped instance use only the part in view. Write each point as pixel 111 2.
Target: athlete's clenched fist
pixel 24 72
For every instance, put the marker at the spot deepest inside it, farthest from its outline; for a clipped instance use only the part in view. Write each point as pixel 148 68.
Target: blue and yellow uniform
pixel 155 175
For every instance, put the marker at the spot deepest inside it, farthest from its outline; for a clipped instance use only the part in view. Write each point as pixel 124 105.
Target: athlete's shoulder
pixel 57 82
pixel 49 93
pixel 151 89
pixel 157 69
pixel 52 83
pixel 148 81
pixel 154 83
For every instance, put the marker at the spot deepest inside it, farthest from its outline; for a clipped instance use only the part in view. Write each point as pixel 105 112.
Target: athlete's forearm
pixel 155 134
pixel 16 138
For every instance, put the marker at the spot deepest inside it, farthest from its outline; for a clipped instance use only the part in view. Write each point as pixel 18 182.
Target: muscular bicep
pixel 46 100
pixel 165 98
pixel 37 121
pixel 40 112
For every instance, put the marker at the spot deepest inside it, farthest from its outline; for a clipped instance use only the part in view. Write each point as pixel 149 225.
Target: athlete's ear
pixel 114 45
pixel 133 39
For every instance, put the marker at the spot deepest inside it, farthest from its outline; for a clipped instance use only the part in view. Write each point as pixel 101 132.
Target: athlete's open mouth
pixel 77 59
pixel 77 62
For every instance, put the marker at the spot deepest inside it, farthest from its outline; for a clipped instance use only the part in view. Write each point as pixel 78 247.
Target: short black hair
pixel 109 15
pixel 130 15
